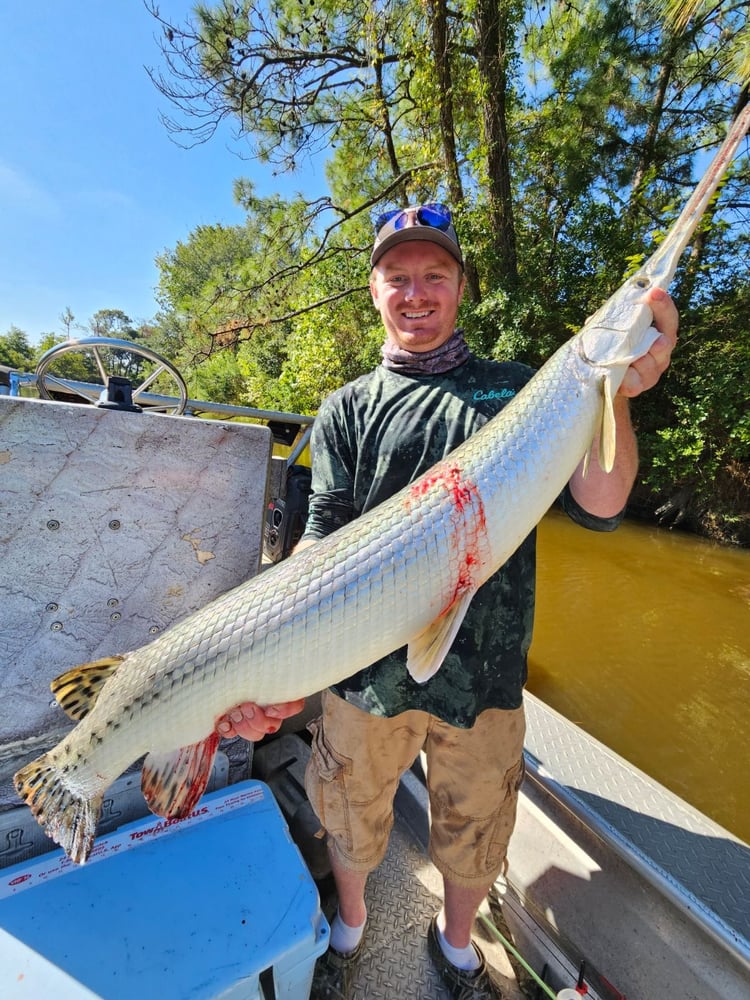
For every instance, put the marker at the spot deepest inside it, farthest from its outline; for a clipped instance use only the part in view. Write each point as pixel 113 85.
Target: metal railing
pixel 23 384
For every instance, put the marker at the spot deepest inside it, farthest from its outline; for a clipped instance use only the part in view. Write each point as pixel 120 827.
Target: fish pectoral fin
pixel 612 382
pixel 586 463
pixel 426 651
pixel 173 782
pixel 77 690
pixel 607 432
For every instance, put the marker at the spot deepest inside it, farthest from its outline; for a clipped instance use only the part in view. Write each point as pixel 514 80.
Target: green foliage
pixel 75 366
pixel 218 378
pixel 112 323
pixel 729 21
pixel 698 444
pixel 607 116
pixel 15 350
pixel 296 371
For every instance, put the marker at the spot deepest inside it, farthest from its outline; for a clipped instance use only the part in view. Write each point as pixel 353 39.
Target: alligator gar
pixel 401 575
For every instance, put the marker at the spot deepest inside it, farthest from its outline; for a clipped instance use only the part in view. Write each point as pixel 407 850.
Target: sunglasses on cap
pixel 434 215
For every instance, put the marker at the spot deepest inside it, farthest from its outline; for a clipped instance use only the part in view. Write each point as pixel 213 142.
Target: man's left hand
pixel 644 373
pixel 252 722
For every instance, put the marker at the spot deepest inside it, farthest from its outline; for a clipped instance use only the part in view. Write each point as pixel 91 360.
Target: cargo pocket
pixel 506 815
pixel 325 785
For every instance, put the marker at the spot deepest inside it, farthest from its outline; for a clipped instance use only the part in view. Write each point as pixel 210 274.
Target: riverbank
pixel 724 518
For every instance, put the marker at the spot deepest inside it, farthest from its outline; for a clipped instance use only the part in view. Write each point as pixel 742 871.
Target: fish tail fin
pixel 68 817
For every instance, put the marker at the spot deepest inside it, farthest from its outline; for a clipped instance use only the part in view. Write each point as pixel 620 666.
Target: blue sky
pixel 92 187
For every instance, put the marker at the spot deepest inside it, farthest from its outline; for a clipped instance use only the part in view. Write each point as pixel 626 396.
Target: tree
pixel 566 138
pixel 68 321
pixel 377 87
pixel 413 99
pixel 112 323
pixel 729 21
pixel 496 23
pixel 15 350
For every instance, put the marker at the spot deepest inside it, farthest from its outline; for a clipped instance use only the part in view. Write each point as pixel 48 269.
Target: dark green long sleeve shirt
pixel 376 435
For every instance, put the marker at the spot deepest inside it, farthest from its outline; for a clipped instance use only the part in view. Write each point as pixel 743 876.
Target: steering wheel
pixel 115 350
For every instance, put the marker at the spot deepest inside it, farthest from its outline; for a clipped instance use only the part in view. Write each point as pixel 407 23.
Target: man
pixel 370 438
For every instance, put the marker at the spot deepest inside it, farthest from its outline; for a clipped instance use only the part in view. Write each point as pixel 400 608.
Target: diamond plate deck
pixel 402 896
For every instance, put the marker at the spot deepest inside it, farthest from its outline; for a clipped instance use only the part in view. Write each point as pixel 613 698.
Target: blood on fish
pixel 467 515
pixel 463 492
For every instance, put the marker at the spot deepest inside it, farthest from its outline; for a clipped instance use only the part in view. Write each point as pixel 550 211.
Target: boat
pixel 126 506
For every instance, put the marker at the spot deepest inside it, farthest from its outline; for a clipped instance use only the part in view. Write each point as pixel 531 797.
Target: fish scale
pixel 413 562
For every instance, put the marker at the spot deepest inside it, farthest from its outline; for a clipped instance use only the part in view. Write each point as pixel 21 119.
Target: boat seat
pixel 114 525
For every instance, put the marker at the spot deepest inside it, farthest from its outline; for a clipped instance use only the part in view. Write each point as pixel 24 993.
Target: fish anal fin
pixel 173 782
pixel 77 690
pixel 427 650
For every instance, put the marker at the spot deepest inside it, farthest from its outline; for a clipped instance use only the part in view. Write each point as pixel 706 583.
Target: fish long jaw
pixel 660 268
pixel 619 332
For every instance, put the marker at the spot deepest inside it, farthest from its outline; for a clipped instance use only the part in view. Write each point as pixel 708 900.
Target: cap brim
pixel 426 233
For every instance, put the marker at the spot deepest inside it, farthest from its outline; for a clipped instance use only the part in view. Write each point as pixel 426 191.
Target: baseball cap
pixel 431 222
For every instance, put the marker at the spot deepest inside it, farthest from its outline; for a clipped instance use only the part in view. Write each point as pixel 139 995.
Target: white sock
pixel 463 958
pixel 343 937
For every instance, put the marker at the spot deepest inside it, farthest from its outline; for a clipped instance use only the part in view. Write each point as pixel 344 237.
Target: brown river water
pixel 642 638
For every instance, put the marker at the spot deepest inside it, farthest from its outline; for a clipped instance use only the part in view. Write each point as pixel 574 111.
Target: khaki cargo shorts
pixel 473 778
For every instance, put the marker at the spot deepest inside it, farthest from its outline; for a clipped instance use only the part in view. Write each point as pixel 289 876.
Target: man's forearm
pixel 606 493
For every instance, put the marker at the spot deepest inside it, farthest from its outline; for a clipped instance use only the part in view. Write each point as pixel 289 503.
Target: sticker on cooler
pixel 49 866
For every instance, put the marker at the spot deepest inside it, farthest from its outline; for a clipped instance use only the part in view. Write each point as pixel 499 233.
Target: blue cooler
pixel 217 905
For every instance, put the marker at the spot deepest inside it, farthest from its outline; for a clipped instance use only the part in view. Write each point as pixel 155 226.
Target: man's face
pixel 417 287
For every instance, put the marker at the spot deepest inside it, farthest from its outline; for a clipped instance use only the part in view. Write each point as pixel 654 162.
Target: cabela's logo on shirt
pixel 494 394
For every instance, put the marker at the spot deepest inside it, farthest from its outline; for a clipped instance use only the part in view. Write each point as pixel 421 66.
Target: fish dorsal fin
pixel 427 650
pixel 173 782
pixel 77 690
